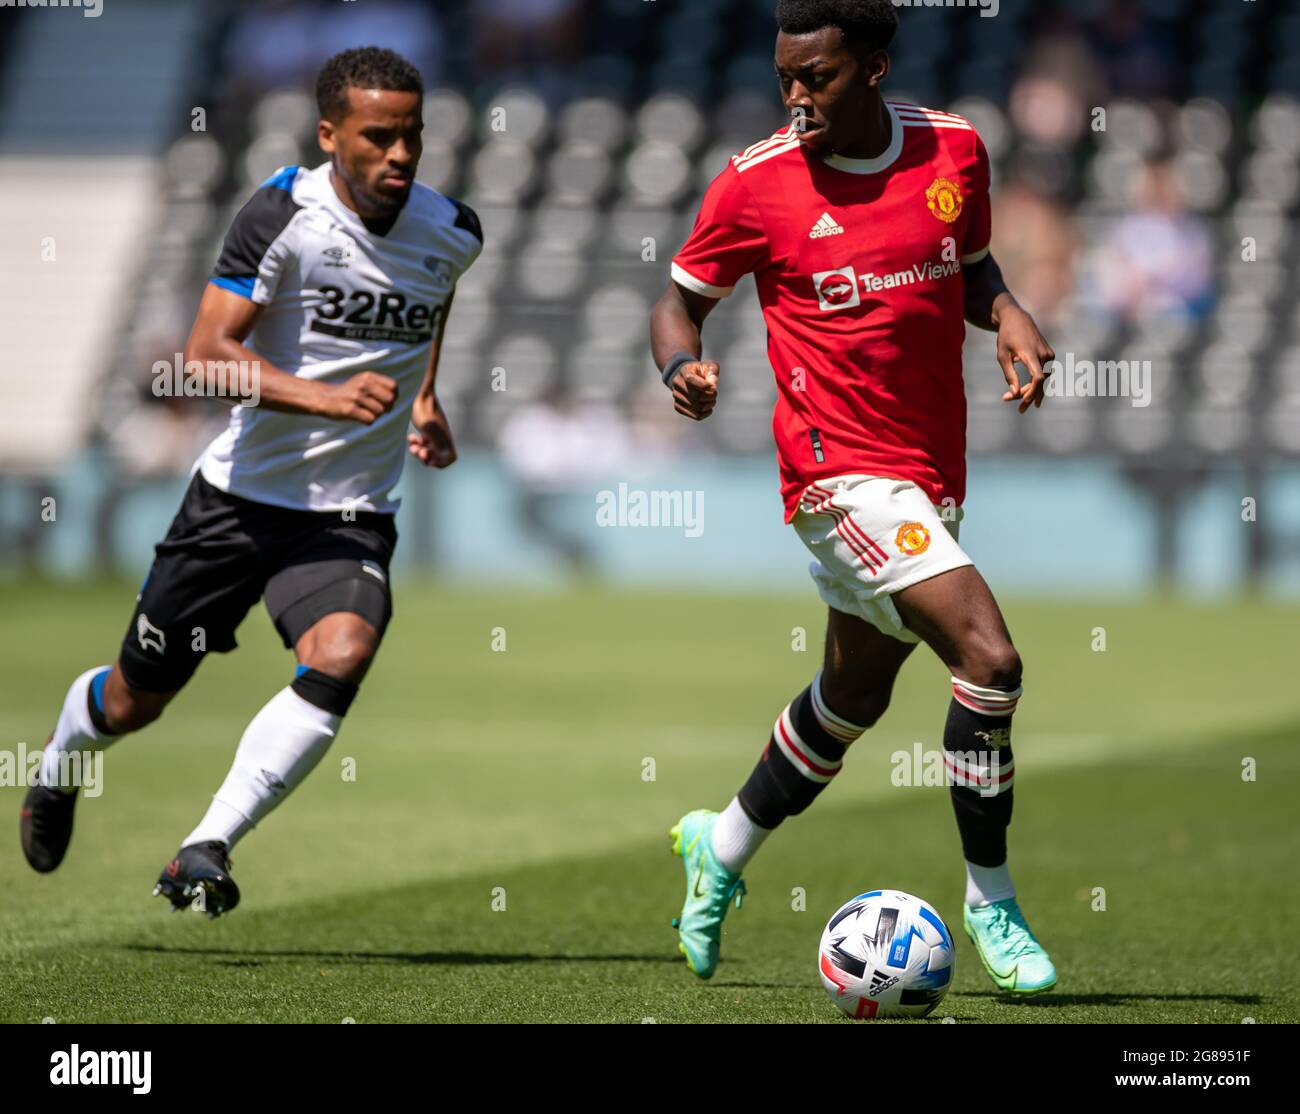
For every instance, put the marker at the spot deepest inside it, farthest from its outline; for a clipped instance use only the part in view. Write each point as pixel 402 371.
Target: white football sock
pixel 74 732
pixel 987 884
pixel 736 837
pixel 280 747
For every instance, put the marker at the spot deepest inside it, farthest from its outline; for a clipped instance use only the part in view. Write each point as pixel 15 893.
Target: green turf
pixel 526 770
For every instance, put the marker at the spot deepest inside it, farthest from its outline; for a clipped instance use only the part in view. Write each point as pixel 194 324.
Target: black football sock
pixel 981 768
pixel 805 751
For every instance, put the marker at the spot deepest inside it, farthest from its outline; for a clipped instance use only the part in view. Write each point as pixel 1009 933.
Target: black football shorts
pixel 223 553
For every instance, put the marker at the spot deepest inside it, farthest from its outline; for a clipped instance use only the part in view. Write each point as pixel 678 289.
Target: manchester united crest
pixel 944 199
pixel 912 538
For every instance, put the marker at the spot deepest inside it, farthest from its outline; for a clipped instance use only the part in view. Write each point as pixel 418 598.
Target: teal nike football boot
pixel 1015 961
pixel 710 886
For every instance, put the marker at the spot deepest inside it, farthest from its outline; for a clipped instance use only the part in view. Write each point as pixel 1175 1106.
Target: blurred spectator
pixel 1050 100
pixel 1158 260
pixel 270 45
pixel 539 41
pixel 555 451
pixel 409 27
pixel 158 435
pixel 150 438
pixel 162 436
pixel 275 43
pixel 656 432
pixel 1034 242
pixel 1137 54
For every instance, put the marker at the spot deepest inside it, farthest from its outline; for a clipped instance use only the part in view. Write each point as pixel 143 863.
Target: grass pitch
pixel 543 777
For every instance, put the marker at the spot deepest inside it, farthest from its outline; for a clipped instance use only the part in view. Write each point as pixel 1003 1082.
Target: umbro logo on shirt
pixel 338 255
pixel 825 226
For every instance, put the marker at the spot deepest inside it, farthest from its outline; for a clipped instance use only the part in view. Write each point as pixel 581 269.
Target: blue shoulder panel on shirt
pixel 242 286
pixel 282 180
pixel 254 229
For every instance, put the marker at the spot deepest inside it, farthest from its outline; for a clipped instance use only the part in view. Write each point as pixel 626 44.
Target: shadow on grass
pixel 723 984
pixel 1055 1001
pixel 253 957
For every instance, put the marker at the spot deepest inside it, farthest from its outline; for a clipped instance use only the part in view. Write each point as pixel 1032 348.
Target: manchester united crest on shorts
pixel 944 199
pixel 912 538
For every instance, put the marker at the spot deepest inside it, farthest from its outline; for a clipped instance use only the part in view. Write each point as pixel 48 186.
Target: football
pixel 886 954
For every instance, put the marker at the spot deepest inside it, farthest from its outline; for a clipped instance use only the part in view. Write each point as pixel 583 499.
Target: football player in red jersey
pixel 866 225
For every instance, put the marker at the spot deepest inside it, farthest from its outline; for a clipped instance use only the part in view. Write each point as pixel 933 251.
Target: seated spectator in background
pixel 555 451
pixel 1049 101
pixel 153 434
pixel 277 43
pixel 410 26
pixel 538 39
pixel 1158 260
pixel 1137 54
pixel 1035 240
pixel 270 45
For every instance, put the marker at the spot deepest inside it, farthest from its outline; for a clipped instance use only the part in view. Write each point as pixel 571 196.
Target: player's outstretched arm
pixel 675 326
pixel 217 338
pixel 990 306
pixel 431 442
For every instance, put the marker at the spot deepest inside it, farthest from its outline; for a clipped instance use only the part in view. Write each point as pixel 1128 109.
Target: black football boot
pixel 45 825
pixel 199 878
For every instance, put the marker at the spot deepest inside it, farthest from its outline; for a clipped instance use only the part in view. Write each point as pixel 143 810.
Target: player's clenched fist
pixel 363 398
pixel 431 443
pixel 695 389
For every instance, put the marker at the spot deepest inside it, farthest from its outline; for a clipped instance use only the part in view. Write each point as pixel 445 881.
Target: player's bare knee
pixel 868 709
pixel 345 652
pixel 848 698
pixel 996 666
pixel 331 668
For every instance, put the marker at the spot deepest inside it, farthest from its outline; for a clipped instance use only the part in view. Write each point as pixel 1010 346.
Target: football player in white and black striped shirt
pixel 333 287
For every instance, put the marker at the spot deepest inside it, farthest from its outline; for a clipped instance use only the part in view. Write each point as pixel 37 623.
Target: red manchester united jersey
pixel 858 267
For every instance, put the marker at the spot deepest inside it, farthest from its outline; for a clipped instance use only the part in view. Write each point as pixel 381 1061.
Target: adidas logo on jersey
pixel 825 226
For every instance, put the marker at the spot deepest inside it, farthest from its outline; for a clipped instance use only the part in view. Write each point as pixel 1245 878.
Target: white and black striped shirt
pixel 339 300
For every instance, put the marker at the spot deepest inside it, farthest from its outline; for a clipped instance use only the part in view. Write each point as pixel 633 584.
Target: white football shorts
pixel 873 536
